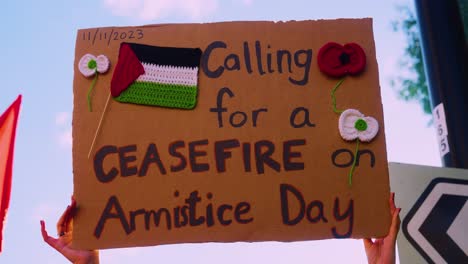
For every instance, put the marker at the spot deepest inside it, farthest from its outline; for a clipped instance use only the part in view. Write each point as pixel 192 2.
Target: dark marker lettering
pixel 269 66
pixel 152 156
pixel 241 209
pixel 349 213
pixel 255 114
pixel 220 214
pixel 99 163
pixel 185 217
pixel 284 190
pixel 264 157
pixel 209 211
pixel 133 215
pixel 371 157
pixel 173 152
pixel 320 215
pixel 246 156
pixel 140 33
pixel 258 52
pixel 219 104
pixel 279 59
pixel 243 119
pixel 305 121
pixel 235 62
pixel 349 158
pixel 206 56
pixel 288 154
pixel 176 217
pixel 221 154
pixel 192 203
pixel 125 170
pixel 156 215
pixel 248 64
pixel 337 153
pixel 112 203
pixel 193 154
pixel 305 65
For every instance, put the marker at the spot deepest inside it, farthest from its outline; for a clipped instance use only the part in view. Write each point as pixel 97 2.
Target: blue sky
pixel 37 47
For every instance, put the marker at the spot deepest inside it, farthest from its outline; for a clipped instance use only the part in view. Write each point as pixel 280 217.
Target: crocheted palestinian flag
pixel 157 76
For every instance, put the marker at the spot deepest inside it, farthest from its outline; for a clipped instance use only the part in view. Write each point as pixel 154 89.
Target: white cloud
pixel 64 133
pixel 47 212
pixel 192 8
pixel 62 118
pixel 65 138
pixel 247 2
pixel 155 9
pixel 123 7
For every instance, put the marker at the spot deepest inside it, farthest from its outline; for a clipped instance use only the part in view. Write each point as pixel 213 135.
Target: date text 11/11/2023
pixel 113 35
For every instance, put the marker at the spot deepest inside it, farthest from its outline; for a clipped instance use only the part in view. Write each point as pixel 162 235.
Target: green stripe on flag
pixel 158 94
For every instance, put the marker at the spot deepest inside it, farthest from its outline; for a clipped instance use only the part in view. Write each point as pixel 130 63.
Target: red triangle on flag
pixel 127 70
pixel 8 122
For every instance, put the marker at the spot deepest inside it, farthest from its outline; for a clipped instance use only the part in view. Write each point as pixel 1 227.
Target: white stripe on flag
pixel 169 74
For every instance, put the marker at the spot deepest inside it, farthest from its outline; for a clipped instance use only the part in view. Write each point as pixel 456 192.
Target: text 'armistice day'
pixel 199 209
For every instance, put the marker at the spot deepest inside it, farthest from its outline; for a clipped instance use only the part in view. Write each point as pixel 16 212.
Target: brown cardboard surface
pixel 331 207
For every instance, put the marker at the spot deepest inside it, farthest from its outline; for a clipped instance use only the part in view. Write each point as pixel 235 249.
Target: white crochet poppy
pixel 102 63
pixel 352 124
pixel 89 64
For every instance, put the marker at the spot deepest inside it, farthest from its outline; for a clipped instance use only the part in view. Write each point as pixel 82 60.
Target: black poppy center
pixel 344 58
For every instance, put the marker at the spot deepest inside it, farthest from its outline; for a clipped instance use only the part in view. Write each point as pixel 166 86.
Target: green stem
pixel 334 98
pixel 350 176
pixel 89 91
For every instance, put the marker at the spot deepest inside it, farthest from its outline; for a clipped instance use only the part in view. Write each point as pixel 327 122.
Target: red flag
pixel 8 121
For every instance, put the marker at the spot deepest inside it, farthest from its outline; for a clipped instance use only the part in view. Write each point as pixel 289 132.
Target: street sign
pixel 434 213
pixel 435 224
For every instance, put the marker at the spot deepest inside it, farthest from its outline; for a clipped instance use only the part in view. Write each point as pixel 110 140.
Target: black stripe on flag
pixel 181 57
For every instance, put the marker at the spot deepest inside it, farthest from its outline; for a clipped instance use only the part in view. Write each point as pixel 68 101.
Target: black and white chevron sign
pixel 437 224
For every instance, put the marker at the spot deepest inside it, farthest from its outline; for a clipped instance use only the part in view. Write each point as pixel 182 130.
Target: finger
pixel 48 239
pixel 392 202
pixel 61 221
pixel 68 219
pixel 43 230
pixel 395 227
pixel 368 243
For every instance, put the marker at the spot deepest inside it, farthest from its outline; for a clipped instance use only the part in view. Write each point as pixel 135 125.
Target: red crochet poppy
pixel 336 60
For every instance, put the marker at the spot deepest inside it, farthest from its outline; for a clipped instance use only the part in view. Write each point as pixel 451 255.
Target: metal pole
pixel 445 57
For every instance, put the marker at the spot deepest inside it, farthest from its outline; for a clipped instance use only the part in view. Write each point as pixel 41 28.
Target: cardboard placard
pixel 259 158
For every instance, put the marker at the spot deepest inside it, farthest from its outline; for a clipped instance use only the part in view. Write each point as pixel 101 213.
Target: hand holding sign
pixel 382 250
pixel 63 243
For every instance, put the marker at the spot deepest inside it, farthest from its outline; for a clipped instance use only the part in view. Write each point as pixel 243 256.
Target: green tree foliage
pixel 412 86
